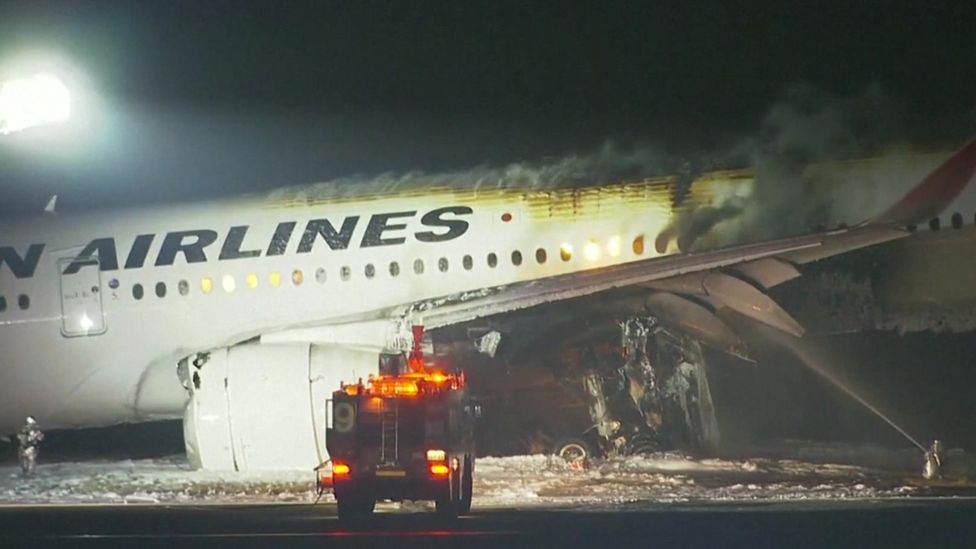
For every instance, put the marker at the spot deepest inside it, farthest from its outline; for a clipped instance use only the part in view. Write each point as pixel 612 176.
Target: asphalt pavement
pixel 870 523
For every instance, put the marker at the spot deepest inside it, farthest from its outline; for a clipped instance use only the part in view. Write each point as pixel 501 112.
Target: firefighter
pixel 29 439
pixel 932 469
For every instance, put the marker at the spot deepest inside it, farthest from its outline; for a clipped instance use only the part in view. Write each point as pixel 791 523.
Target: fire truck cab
pixel 406 435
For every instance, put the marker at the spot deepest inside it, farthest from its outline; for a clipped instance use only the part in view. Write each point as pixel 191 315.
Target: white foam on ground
pixel 521 481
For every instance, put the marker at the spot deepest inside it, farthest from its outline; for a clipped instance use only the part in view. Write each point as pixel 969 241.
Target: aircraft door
pixel 81 298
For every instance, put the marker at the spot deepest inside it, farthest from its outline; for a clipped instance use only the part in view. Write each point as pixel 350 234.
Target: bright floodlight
pixel 33 101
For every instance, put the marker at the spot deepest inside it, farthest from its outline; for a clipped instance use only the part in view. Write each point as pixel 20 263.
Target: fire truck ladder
pixel 390 433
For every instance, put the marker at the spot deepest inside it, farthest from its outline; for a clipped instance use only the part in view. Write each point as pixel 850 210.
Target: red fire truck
pixel 406 434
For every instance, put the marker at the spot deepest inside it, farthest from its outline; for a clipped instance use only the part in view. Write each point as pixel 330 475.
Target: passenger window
pixel 160 289
pixel 370 270
pixel 229 283
pixel 184 287
pixel 345 272
pixel 3 304
pixel 540 255
pixel 467 262
pixel 516 258
pixel 23 301
pixel 418 266
pixel 492 260
pixel 297 277
pixel 442 264
pixel 251 280
pixel 935 224
pixel 394 269
pixel 137 291
pixel 274 279
pixel 320 275
pixel 206 285
pixel 566 251
pixel 639 245
pixel 957 220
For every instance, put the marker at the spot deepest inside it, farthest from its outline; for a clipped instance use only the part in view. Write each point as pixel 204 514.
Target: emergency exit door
pixel 81 298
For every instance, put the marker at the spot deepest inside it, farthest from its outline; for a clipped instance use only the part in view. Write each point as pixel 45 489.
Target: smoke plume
pixel 794 156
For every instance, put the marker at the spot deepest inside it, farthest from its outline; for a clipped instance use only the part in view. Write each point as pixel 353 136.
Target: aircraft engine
pixel 259 406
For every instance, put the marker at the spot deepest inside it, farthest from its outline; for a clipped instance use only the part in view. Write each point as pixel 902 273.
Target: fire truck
pixel 405 434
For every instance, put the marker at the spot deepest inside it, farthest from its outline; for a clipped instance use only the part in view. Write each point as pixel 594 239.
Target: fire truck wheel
pixel 449 504
pixel 355 507
pixel 467 486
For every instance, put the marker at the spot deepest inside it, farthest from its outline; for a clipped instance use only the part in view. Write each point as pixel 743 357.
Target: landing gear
pixel 657 399
pixel 572 449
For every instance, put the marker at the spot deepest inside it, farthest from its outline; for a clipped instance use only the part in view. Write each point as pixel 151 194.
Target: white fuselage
pixel 89 350
pixel 89 378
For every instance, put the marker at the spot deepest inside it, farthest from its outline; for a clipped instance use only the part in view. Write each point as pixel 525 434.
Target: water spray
pixel 932 468
pixel 816 367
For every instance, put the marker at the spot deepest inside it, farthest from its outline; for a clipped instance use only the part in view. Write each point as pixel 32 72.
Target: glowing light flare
pixel 613 246
pixel 439 470
pixel 340 469
pixel 374 404
pixel 33 101
pixel 436 455
pixel 86 323
pixel 437 377
pixel 591 251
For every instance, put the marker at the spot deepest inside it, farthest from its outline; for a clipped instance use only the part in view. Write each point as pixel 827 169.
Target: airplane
pixel 242 316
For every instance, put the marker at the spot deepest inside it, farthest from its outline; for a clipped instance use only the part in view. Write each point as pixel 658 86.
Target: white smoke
pixel 805 129
pixel 610 163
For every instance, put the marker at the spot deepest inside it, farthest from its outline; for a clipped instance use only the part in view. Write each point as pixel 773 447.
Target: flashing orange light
pixel 437 377
pixel 439 469
pixel 340 469
pixel 391 386
pixel 408 385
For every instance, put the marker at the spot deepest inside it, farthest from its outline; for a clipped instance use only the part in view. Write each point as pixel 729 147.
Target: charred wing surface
pixel 767 272
pixel 454 309
pixel 723 291
pixel 527 294
pixel 695 320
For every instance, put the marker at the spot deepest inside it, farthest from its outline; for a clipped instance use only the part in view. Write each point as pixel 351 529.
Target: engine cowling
pixel 260 406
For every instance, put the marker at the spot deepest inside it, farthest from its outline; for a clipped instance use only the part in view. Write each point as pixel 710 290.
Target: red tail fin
pixel 930 197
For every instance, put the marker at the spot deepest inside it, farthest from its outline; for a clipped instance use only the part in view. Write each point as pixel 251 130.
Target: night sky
pixel 189 100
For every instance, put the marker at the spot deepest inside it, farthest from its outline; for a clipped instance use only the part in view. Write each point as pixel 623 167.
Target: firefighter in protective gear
pixel 29 439
pixel 934 456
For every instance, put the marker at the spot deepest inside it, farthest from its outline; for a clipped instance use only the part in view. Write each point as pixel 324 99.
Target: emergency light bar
pixel 407 385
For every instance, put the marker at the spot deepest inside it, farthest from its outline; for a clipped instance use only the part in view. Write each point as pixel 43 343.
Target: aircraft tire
pixel 572 449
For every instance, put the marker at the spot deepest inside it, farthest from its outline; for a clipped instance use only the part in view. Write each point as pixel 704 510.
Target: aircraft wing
pixel 693 290
pixel 703 274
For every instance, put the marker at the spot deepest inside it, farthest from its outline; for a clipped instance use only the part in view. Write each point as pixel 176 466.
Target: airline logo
pixel 197 246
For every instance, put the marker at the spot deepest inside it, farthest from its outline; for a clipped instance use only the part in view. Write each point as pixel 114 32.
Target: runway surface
pixel 949 522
